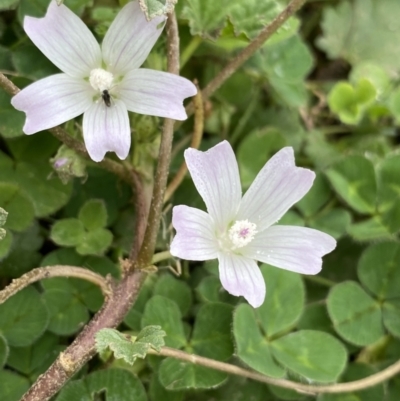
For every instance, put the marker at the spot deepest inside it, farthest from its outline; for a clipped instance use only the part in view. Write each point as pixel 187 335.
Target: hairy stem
pixel 356 385
pixel 41 273
pixel 195 143
pixel 164 158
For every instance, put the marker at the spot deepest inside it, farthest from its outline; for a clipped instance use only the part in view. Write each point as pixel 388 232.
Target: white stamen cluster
pixel 100 79
pixel 242 233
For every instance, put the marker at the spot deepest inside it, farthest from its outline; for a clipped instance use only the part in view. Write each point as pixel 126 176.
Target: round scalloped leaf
pixel 18 205
pixel 13 386
pixel 67 232
pixel 4 351
pixel 353 178
pixel 178 375
pixel 315 355
pixel 356 316
pixel 378 269
pixel 285 301
pixel 161 311
pixel 177 290
pixel 391 316
pixel 116 384
pixel 212 331
pixel 23 318
pixel 251 346
pixel 67 313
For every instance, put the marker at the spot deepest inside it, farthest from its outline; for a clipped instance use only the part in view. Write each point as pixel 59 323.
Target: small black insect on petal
pixel 106 97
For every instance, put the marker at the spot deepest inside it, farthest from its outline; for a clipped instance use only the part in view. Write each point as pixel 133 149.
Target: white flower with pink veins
pixel 102 83
pixel 239 231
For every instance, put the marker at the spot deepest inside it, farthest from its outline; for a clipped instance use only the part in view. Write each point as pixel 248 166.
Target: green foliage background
pixel 327 84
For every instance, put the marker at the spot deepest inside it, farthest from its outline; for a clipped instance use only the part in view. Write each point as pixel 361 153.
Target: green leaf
pixel 67 313
pixel 23 318
pixel 394 104
pixel 163 312
pixel 354 180
pixel 369 230
pixel 355 41
pixel 251 347
pixel 317 196
pixel 176 290
pixel 19 207
pixel 11 120
pixel 334 222
pixel 130 348
pixel 5 245
pixel 357 371
pixel 378 269
pixel 388 171
pixel 47 196
pixel 95 242
pixel 68 232
pixel 206 18
pixel 158 392
pixel 284 303
pixel 350 102
pixel 13 386
pixel 286 65
pixel 212 331
pixel 249 17
pixel 391 316
pixel 4 351
pixel 250 163
pixel 315 355
pixel 350 309
pixel 115 384
pixel 178 375
pixel 93 214
pixel 30 359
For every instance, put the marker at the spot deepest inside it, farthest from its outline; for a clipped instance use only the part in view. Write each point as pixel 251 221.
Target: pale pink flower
pixel 103 83
pixel 239 231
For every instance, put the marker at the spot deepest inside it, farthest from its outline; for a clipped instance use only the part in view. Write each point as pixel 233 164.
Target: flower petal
pixel 216 176
pixel 194 239
pixel 65 40
pixel 107 129
pixel 298 249
pixel 129 39
pixel 52 101
pixel 156 93
pixel 276 188
pixel 241 276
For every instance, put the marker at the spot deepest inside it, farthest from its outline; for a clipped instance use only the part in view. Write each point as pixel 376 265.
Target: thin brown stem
pixel 248 51
pixel 356 385
pixel 164 158
pixel 41 273
pixel 195 143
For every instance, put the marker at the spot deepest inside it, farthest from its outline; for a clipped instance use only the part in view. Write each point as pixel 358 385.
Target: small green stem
pixel 320 280
pixel 190 49
pixel 158 257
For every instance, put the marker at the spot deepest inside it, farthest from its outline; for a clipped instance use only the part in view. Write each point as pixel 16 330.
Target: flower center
pixel 242 233
pixel 101 80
